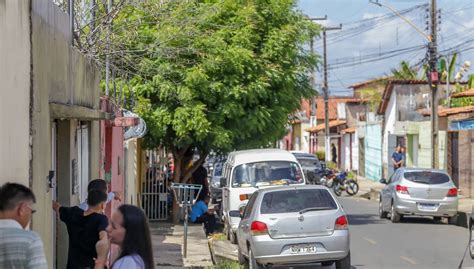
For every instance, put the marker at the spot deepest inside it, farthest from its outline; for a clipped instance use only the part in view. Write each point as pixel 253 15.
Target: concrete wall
pixel 14 91
pixel 390 118
pixel 131 172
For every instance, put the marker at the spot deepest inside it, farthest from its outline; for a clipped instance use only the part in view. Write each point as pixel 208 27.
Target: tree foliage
pixel 214 74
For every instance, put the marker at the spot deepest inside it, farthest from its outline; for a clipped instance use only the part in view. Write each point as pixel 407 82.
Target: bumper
pixel 447 207
pixel 277 251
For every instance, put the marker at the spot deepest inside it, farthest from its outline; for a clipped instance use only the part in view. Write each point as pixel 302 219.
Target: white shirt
pixel 84 206
pixel 20 248
pixel 129 262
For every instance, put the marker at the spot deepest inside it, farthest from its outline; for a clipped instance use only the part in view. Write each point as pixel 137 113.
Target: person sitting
pixel 200 213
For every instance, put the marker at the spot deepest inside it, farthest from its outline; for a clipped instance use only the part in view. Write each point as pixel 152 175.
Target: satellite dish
pixel 136 131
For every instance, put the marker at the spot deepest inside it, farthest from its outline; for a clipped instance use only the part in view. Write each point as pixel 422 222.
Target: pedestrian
pixel 129 230
pixel 85 229
pixel 397 158
pixel 101 185
pixel 200 213
pixel 200 178
pixel 334 153
pixel 403 161
pixel 19 247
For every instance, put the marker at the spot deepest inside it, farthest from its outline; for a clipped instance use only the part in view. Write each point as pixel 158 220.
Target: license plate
pixel 301 249
pixel 427 206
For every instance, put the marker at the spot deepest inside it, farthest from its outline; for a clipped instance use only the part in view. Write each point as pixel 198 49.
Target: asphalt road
pixel 414 243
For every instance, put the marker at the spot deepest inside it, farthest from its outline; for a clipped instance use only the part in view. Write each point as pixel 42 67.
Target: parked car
pixel 248 170
pixel 419 192
pixel 471 234
pixel 310 164
pixel 290 226
pixel 214 182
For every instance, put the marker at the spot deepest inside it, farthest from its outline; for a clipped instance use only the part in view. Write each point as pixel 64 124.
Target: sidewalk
pixel 167 240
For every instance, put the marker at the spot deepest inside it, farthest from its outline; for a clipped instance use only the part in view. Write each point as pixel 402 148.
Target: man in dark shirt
pixel 397 158
pixel 200 178
pixel 85 228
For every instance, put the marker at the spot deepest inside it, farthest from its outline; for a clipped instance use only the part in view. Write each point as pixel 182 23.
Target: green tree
pixel 404 72
pixel 214 75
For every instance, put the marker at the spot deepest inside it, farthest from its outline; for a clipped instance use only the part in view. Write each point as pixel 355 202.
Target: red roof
pixel 349 130
pixel 467 93
pixel 443 111
pixel 332 104
pixel 321 127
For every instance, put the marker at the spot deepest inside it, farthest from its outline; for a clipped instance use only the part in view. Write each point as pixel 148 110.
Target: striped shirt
pixel 20 248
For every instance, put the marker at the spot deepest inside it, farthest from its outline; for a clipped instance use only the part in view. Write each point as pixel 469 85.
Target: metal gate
pixel 155 195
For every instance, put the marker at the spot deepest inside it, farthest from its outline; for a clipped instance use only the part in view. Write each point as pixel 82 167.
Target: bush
pixel 321 155
pixel 226 265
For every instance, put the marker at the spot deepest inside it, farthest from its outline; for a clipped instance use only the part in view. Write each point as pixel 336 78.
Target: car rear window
pixel 296 200
pixel 426 177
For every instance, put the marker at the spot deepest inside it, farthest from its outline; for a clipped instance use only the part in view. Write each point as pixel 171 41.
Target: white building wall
pixel 389 127
pixel 355 151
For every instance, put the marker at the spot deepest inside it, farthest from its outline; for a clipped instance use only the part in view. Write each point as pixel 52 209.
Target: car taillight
pixel 453 192
pixel 258 228
pixel 341 223
pixel 402 189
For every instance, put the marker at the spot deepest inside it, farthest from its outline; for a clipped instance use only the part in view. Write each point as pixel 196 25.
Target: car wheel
pixel 252 262
pixel 344 263
pixel 453 220
pixel 437 219
pixel 328 263
pixel 394 216
pixel 242 260
pixel 232 237
pixel 382 214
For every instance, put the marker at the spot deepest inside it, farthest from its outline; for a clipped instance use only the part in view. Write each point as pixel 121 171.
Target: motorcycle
pixel 342 183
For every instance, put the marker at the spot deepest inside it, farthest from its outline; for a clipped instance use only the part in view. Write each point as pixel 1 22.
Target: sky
pixel 373 40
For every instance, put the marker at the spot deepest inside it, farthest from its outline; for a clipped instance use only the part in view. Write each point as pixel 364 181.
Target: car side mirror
pixel 223 182
pixel 241 211
pixel 383 181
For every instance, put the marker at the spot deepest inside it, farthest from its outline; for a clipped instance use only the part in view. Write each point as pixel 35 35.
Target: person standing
pixel 334 153
pixel 129 230
pixel 101 185
pixel 19 247
pixel 397 158
pixel 403 161
pixel 200 178
pixel 85 229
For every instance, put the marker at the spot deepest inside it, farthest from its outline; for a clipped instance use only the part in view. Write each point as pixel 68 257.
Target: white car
pixel 246 171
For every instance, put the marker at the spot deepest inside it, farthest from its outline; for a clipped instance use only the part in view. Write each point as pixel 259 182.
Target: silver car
pixel 290 226
pixel 419 192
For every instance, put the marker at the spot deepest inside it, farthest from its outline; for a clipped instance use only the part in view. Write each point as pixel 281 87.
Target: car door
pixel 243 232
pixel 387 191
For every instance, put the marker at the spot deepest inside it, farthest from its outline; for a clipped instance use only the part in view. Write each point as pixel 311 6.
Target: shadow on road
pixel 362 219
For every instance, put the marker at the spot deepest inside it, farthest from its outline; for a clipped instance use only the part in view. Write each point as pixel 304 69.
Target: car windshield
pixel 297 201
pixel 266 173
pixel 309 162
pixel 426 177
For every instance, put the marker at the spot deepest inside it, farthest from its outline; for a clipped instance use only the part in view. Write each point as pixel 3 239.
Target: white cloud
pixel 366 16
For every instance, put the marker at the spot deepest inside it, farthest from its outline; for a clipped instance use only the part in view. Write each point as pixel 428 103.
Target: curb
pixel 217 255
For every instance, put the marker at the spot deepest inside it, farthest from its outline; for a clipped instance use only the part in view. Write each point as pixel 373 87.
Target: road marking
pixel 408 260
pixel 369 240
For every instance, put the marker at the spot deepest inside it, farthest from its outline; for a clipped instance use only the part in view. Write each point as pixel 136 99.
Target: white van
pixel 246 171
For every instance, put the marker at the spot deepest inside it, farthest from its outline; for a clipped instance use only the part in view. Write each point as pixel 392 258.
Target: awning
pixel 349 130
pixel 320 127
pixel 62 111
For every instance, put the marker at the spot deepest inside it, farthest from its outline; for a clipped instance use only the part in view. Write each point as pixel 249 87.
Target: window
pixel 296 200
pixel 426 177
pixel 266 174
pixel 250 205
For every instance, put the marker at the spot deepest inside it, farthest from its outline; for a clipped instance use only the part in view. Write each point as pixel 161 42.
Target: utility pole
pixel 313 86
pixel 326 91
pixel 432 73
pixel 433 81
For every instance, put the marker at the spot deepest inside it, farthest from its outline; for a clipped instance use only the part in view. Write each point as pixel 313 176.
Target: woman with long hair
pixel 128 228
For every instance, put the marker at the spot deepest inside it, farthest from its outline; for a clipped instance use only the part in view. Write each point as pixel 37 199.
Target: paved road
pixel 415 243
